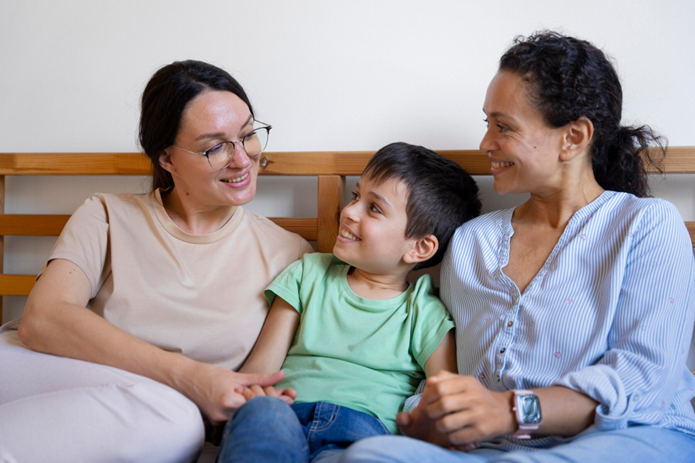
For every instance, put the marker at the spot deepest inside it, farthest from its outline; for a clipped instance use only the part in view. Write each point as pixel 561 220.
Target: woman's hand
pixel 463 410
pixel 218 392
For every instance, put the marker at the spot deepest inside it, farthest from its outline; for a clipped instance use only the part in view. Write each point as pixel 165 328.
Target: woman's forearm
pixel 565 412
pixel 68 330
pixel 56 321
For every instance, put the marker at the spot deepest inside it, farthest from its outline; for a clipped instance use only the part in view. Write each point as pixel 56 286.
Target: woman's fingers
pixel 449 404
pixel 403 420
pixel 289 392
pixel 261 379
pixel 445 383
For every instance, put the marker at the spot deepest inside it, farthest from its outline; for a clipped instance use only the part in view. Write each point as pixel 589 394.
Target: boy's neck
pixel 376 286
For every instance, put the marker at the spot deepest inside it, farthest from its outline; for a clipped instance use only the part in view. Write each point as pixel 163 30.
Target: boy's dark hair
pixel 441 195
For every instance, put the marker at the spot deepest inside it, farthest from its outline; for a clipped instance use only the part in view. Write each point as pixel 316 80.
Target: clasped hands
pixel 458 412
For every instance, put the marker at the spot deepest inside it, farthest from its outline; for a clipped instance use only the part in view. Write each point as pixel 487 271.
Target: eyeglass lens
pixel 254 143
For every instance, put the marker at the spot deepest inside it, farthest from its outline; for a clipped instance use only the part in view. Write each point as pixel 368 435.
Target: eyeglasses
pixel 221 155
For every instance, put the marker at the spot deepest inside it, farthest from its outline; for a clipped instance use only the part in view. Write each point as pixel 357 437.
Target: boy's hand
pixel 286 395
pixel 418 425
pixel 218 391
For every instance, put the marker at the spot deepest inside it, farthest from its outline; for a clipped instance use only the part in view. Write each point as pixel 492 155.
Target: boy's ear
pixel 422 250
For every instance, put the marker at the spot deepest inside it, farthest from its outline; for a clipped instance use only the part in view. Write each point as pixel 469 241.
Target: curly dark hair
pixel 570 78
pixel 164 100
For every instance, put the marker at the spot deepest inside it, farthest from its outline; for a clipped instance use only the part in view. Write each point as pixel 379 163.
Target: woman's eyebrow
pixel 221 134
pixel 498 114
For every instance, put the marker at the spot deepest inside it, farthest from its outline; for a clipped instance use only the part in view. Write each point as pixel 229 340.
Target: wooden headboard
pixel 330 167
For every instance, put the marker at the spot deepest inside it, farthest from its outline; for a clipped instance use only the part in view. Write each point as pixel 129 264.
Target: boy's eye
pixel 374 208
pixel 355 196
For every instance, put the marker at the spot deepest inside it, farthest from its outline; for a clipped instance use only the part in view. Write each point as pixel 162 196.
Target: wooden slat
pixel 16 285
pixel 2 241
pixel 306 228
pixel 691 230
pixel 74 164
pixel 32 225
pixel 681 159
pixel 52 225
pixel 331 194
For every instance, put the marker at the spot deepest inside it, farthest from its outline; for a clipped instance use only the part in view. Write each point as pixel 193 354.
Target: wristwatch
pixel 527 407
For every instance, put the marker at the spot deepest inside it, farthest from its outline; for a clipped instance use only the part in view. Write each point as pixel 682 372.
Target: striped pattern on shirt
pixel 610 314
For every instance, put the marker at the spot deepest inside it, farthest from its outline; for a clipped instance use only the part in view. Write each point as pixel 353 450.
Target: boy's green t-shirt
pixel 368 355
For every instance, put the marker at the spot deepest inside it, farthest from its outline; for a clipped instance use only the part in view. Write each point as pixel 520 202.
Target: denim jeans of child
pixel 267 429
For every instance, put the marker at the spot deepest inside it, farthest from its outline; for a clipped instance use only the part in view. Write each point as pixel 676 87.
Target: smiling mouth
pixel 346 234
pixel 497 165
pixel 236 179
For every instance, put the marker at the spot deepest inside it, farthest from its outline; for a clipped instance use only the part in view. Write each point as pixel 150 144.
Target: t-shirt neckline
pixel 176 232
pixel 372 303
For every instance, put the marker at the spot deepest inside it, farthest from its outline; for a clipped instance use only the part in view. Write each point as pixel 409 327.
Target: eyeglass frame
pixel 206 153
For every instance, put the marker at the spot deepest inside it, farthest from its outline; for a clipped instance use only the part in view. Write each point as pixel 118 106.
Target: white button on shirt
pixel 610 314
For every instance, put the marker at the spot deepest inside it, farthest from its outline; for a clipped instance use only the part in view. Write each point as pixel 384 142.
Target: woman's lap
pixel 635 444
pixel 59 409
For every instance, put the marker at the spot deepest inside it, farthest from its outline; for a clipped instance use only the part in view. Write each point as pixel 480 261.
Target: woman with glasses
pixel 173 281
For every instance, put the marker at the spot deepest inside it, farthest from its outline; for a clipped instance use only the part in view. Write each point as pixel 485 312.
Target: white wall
pixel 328 75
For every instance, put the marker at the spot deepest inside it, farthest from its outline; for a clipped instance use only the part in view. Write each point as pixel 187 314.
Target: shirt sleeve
pixel 643 365
pixel 85 242
pixel 287 285
pixel 431 321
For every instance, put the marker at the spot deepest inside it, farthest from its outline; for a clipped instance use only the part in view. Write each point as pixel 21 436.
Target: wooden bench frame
pixel 331 168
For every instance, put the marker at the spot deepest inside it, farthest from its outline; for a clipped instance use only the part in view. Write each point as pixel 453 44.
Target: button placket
pixel 506 336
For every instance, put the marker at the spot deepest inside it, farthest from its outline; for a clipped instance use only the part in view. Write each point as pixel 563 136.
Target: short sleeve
pixel 85 242
pixel 431 321
pixel 287 285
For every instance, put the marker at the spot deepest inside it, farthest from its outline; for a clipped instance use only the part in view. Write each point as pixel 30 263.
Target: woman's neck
pixel 193 218
pixel 555 207
pixel 376 286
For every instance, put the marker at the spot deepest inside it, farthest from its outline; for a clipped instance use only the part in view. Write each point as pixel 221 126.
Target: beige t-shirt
pixel 199 295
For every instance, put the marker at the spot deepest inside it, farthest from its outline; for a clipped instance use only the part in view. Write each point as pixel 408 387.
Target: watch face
pixel 528 408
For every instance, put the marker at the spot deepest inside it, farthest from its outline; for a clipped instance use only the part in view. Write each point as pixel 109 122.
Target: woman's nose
pixel 240 157
pixel 487 144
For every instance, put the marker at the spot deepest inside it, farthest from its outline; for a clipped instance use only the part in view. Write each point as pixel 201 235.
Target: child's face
pixel 372 227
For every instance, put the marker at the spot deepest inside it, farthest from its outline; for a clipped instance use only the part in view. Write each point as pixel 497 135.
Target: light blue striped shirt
pixel 610 314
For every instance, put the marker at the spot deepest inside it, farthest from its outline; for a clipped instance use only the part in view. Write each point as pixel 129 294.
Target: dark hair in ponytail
pixel 166 96
pixel 570 78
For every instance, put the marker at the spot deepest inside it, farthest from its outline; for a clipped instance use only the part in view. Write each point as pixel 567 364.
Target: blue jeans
pixel 636 444
pixel 267 429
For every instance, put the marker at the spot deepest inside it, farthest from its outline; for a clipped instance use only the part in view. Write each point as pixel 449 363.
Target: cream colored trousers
pixel 55 409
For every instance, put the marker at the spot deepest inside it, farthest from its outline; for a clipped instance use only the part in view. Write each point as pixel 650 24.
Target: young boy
pixel 356 338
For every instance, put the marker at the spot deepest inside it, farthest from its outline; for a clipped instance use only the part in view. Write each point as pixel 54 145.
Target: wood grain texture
pixel 16 285
pixel 2 240
pixel 52 225
pixel 680 159
pixel 331 194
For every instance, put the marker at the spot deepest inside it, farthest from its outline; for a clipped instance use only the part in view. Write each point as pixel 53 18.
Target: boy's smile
pixel 371 237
